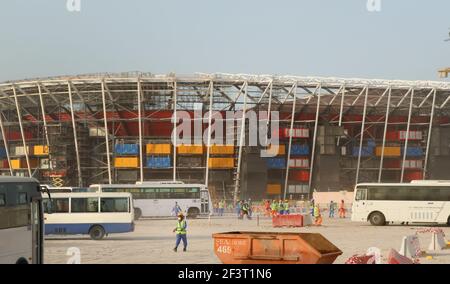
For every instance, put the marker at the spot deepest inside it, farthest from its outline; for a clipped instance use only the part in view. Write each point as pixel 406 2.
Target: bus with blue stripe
pixel 96 214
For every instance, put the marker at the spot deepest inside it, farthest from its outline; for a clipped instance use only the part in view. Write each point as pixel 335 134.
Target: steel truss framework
pixel 100 100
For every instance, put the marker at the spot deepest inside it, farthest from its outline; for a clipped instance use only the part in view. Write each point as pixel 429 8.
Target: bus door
pixel 204 199
pixel 37 225
pixel 360 209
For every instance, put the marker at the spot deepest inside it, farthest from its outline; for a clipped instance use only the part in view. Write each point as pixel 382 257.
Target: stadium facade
pixel 117 128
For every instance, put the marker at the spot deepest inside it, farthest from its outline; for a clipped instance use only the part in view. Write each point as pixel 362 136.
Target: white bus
pixel 415 202
pixel 53 189
pixel 95 213
pixel 21 221
pixel 157 199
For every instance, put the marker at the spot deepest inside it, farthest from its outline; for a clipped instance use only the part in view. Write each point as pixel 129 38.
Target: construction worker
pixel 267 208
pixel 317 215
pixel 286 207
pixel 176 209
pixel 332 208
pixel 221 207
pixel 273 207
pixel 238 209
pixel 280 207
pixel 180 231
pixel 342 209
pixel 245 210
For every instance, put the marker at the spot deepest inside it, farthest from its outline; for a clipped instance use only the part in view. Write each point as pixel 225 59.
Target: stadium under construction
pixel 117 128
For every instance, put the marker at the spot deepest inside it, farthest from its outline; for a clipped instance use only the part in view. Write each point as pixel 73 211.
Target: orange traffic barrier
pixel 274 248
pixel 294 220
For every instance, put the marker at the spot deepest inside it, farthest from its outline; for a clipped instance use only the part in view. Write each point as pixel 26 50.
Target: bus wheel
pixel 97 232
pixel 377 219
pixel 193 212
pixel 137 213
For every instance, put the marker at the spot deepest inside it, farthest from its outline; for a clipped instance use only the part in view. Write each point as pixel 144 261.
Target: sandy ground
pixel 153 241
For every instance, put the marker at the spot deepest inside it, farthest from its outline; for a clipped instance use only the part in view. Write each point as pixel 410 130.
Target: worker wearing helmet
pixel 286 207
pixel 180 231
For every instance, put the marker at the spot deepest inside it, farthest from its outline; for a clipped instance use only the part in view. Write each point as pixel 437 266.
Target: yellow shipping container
pixel 40 150
pixel 126 162
pixel 276 151
pixel 388 151
pixel 221 150
pixel 190 149
pixel 274 189
pixel 15 164
pixel 221 163
pixel 158 149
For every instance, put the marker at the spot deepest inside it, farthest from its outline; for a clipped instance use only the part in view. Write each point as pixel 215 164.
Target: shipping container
pixel 414 152
pixel 4 164
pixel 40 150
pixel 186 161
pixel 276 163
pixel 274 189
pixel 388 151
pixel 298 189
pixel 19 150
pixel 44 164
pixel 412 175
pixel 126 162
pixel 158 149
pixel 97 132
pixel 2 153
pixel 127 149
pixel 22 163
pixel 17 136
pixel 221 150
pixel 299 163
pixel 221 163
pixel 299 175
pixel 413 164
pixel 365 151
pixel 296 133
pixel 156 162
pixel 300 150
pixel 276 150
pixel 190 149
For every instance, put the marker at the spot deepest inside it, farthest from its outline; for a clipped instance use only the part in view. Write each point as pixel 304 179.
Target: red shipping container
pixel 392 136
pixel 16 135
pixel 4 164
pixel 413 175
pixel 391 164
pixel 299 175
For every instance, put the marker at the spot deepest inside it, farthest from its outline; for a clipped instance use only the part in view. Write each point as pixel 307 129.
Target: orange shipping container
pixel 221 163
pixel 221 150
pixel 273 189
pixel 190 149
pixel 126 162
pixel 276 151
pixel 40 150
pixel 158 149
pixel 388 151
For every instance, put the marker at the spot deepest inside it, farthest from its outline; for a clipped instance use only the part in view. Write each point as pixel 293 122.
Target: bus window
pixel 193 193
pixel 2 200
pixel 361 194
pixel 164 193
pixel 22 198
pixel 114 205
pixel 58 205
pixel 149 193
pixel 83 205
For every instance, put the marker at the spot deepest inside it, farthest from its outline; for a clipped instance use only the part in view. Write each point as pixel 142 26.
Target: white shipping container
pixel 343 151
pixel 19 150
pixel 292 163
pixel 292 189
pixel 97 132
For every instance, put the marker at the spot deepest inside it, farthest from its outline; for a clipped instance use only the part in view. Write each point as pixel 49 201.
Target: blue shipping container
pixel 158 162
pixel 127 149
pixel 276 163
pixel 2 153
pixel 413 151
pixel 365 152
pixel 371 143
pixel 300 150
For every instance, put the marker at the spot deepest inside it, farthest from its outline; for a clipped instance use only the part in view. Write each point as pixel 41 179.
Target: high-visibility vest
pixel 181 227
pixel 286 206
pixel 273 206
pixel 316 211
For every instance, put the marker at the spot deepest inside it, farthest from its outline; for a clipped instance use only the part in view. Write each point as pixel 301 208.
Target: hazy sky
pixel 311 37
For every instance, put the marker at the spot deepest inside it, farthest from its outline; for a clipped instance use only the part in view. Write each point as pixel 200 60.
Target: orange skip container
pixel 274 248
